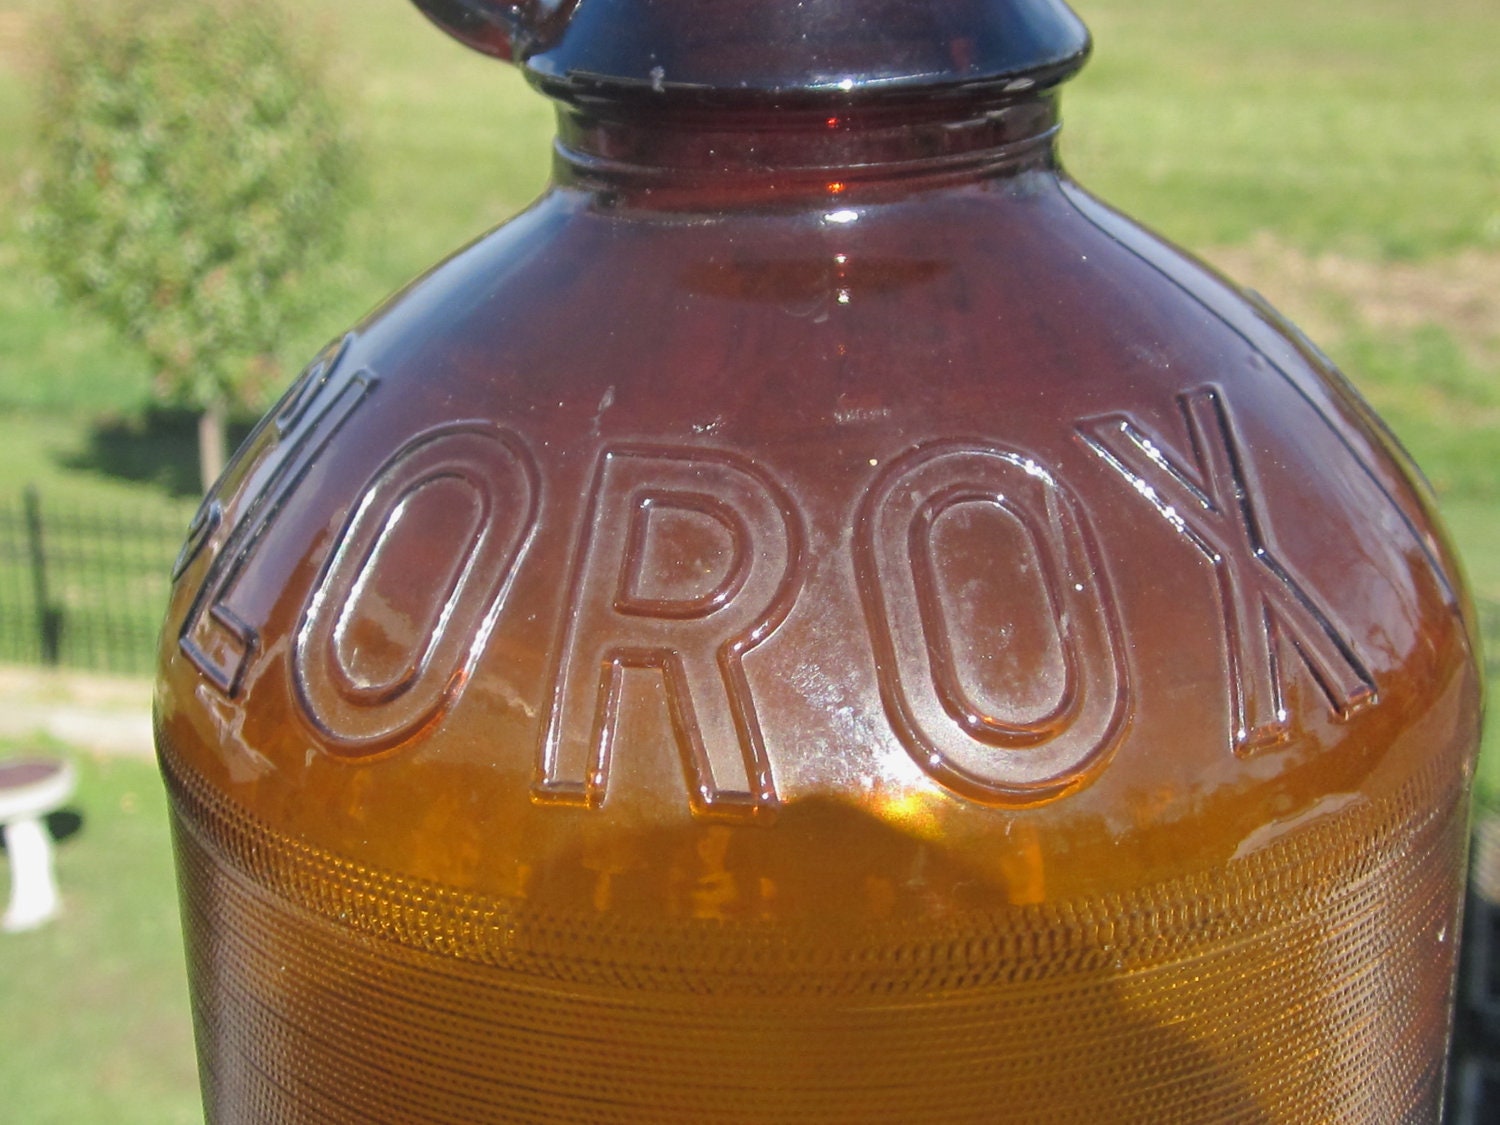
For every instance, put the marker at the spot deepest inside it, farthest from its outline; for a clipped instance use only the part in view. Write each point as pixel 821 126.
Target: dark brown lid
pixel 776 51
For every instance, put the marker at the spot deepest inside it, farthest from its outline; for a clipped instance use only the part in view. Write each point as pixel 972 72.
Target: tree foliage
pixel 194 165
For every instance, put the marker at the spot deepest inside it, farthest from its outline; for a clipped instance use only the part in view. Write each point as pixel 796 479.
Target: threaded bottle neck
pixel 733 158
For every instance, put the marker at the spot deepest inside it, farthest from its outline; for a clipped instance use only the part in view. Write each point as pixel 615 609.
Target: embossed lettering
pixel 688 559
pixel 206 521
pixel 1267 611
pixel 215 634
pixel 995 632
pixel 405 604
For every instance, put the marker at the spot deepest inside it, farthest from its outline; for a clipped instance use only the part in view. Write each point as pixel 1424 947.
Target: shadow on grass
pixel 158 447
pixel 61 824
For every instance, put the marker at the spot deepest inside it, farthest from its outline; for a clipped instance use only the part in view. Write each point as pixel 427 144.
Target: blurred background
pixel 1341 157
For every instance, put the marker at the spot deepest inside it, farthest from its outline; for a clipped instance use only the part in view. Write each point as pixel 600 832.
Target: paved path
pixel 101 714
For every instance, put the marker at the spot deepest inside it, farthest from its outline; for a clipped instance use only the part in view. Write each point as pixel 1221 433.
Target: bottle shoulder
pixel 1014 515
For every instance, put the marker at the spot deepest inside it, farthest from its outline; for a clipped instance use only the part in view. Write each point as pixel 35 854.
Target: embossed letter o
pixel 409 596
pixel 935 619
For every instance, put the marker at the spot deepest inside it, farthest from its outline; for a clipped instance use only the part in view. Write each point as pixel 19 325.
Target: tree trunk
pixel 212 427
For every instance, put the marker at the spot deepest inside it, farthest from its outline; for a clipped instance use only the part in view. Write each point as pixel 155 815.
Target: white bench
pixel 30 788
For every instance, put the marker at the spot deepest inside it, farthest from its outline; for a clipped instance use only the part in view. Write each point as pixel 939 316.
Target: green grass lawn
pixel 96 1025
pixel 1368 127
pixel 1357 145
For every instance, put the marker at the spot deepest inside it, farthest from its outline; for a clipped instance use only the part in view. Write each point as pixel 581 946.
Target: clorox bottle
pixel 817 620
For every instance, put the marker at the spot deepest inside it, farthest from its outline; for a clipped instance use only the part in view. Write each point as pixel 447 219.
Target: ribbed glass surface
pixel 1296 985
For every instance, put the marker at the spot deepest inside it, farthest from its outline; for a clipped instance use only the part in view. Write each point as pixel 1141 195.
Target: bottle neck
pixel 657 158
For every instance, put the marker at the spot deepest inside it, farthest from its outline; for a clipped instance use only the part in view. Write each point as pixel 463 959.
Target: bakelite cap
pixel 780 51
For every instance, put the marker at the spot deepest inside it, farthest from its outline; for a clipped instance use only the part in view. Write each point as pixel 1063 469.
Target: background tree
pixel 193 168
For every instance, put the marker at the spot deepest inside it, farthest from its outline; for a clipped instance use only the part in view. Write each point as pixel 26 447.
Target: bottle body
pixel 907 649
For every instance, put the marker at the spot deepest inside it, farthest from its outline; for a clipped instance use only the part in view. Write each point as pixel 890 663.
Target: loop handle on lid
pixel 506 29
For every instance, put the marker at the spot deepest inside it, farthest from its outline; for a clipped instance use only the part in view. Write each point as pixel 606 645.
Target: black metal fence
pixel 84 586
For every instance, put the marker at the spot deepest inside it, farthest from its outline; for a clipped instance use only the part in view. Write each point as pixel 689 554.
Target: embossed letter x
pixel 1266 610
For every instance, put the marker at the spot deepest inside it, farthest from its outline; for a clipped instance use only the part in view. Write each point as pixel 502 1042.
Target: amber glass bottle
pixel 817 620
